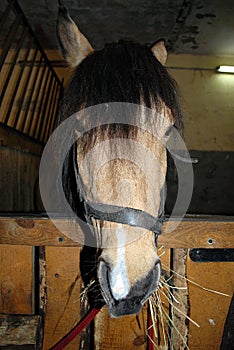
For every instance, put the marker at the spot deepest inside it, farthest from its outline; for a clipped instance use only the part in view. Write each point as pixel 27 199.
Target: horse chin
pixel 125 307
pixel 136 297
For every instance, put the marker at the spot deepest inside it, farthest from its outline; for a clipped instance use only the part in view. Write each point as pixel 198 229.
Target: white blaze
pixel 119 282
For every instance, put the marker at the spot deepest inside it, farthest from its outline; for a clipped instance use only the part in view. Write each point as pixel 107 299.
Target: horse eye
pixel 169 130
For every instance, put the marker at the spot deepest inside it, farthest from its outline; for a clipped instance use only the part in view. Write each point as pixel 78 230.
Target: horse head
pixel 131 175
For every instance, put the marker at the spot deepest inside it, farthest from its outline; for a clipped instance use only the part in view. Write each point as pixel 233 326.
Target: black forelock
pixel 122 72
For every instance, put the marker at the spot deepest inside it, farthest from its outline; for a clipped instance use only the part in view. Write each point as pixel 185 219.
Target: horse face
pixel 128 268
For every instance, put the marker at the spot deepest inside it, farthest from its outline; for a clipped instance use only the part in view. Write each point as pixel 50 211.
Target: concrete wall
pixel 207 101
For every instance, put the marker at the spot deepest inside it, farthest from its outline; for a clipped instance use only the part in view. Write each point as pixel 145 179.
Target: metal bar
pixel 58 104
pixel 48 115
pixel 59 100
pixel 55 117
pixel 55 63
pixel 37 96
pixel 43 110
pixel 24 92
pixel 13 64
pixel 26 118
pixel 44 98
pixel 46 107
pixel 17 9
pixel 52 114
pixel 40 114
pixel 27 121
pixel 17 85
pixel 8 41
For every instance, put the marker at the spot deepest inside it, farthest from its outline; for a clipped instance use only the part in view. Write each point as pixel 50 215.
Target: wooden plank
pixel 13 139
pixel 204 233
pixel 22 331
pixel 32 231
pixel 213 232
pixel 179 331
pixel 16 280
pixel 63 287
pixel 18 179
pixel 228 334
pixel 120 333
pixel 161 339
pixel 208 309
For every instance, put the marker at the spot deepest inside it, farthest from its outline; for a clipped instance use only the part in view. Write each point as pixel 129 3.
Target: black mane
pixel 122 72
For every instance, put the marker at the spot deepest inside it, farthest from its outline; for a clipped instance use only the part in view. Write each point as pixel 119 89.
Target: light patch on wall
pixel 225 69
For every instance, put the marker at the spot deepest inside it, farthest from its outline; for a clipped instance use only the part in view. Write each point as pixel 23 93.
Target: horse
pixel 124 262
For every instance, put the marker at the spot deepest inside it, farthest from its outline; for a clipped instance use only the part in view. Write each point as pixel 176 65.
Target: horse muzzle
pixel 137 294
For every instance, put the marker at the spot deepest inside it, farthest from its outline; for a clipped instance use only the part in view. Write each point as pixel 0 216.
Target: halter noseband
pixel 124 215
pixel 113 213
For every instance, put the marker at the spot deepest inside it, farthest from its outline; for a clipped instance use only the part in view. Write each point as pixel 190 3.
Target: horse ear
pixel 73 44
pixel 160 52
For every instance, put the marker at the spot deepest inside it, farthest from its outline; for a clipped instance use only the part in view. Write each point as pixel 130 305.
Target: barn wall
pixel 20 159
pixel 207 99
pixel 209 130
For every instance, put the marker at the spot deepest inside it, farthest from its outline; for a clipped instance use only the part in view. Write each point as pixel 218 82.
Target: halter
pixel 124 215
pixel 114 213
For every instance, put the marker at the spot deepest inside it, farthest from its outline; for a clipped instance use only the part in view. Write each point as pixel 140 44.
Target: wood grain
pixel 12 139
pixel 19 330
pixel 20 159
pixel 63 288
pixel 181 309
pixel 212 232
pixel 120 333
pixel 16 280
pixel 207 308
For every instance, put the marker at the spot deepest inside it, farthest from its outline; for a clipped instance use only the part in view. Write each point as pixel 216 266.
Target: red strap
pixel 62 343
pixel 150 330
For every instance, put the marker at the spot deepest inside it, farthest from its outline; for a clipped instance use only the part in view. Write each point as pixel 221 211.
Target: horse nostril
pixel 130 304
pixel 133 303
pixel 138 300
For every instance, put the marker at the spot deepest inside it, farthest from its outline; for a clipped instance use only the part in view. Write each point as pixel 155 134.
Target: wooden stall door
pixel 208 308
pixel 16 280
pixel 63 288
